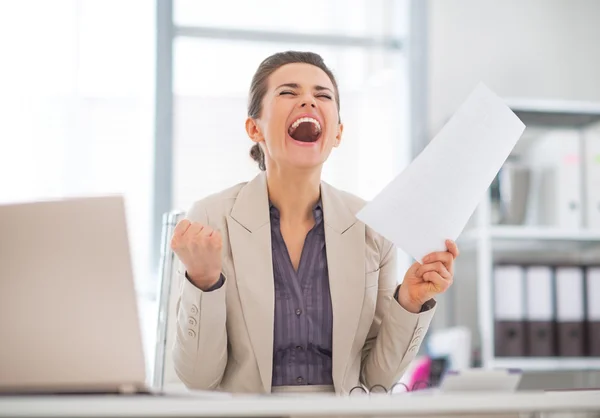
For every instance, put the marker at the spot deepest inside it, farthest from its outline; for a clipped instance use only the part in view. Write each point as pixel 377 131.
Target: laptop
pixel 68 310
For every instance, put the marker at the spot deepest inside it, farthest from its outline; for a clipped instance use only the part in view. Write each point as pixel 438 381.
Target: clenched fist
pixel 199 249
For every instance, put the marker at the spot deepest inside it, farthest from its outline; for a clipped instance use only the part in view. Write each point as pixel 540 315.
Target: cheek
pixel 332 128
pixel 275 122
pixel 332 120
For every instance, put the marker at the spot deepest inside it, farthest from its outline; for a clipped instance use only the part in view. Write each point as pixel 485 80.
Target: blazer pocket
pixel 371 279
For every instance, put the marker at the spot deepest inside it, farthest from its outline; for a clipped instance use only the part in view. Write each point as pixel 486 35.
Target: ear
pixel 253 130
pixel 338 136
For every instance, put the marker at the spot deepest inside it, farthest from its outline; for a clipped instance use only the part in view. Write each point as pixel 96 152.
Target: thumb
pixel 413 269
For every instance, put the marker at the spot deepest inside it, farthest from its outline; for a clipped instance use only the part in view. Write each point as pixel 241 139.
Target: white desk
pixel 404 405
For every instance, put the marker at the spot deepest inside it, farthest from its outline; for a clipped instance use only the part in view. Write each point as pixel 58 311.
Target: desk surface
pixel 423 404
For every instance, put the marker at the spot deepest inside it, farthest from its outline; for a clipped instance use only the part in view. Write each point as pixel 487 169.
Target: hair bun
pixel 257 155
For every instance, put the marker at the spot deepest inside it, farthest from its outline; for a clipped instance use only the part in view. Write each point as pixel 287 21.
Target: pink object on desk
pixel 420 374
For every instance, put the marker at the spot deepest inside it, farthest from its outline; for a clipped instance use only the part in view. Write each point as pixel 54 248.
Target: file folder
pixel 557 179
pixel 509 326
pixel 592 177
pixel 570 311
pixel 539 312
pixel 593 310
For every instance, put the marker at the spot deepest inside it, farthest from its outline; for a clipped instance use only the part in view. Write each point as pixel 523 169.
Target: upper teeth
pixel 311 120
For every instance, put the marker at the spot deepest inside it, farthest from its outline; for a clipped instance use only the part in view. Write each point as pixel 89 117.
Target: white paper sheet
pixel 433 198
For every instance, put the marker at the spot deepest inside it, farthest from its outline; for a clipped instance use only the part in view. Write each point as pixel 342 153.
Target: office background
pixel 148 98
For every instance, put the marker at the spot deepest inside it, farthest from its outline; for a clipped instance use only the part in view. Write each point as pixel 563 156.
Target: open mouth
pixel 305 129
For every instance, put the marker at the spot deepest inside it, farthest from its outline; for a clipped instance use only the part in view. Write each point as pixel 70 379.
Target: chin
pixel 305 164
pixel 305 160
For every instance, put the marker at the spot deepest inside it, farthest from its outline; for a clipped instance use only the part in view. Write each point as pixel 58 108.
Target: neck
pixel 294 192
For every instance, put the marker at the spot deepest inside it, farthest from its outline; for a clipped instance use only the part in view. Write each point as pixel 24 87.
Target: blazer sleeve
pixel 200 349
pixel 396 334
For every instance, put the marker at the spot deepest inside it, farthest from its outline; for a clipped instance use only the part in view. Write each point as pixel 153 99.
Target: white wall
pixel 520 48
pixel 548 49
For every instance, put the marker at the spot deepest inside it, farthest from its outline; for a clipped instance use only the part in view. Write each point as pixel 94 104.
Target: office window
pixel 338 17
pixel 210 98
pixel 77 106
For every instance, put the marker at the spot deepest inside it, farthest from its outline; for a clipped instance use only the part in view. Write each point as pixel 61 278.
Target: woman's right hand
pixel 199 249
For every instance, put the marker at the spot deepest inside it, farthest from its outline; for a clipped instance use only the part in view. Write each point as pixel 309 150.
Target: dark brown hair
pixel 260 84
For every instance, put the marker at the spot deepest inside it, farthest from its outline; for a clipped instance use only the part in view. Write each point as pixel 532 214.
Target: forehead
pixel 306 75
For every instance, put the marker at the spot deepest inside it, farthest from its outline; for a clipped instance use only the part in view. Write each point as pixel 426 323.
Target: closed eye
pixel 287 92
pixel 325 96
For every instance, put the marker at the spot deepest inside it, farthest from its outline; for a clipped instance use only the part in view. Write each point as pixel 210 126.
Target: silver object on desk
pixel 168 278
pixel 481 380
pixel 69 321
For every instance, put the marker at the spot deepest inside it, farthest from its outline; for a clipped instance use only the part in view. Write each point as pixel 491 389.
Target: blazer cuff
pixel 427 305
pixel 219 284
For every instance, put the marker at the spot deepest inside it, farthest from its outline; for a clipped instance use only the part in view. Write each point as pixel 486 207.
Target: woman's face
pixel 299 123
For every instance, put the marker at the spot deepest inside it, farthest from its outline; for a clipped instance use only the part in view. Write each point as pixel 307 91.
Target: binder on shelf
pixel 539 312
pixel 557 180
pixel 509 314
pixel 592 177
pixel 570 312
pixel 593 310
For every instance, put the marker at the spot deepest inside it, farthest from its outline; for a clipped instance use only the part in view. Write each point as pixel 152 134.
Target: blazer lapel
pixel 345 243
pixel 249 230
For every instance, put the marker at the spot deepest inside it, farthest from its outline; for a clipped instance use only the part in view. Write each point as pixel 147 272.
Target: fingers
pixel 437 282
pixel 203 236
pixel 179 232
pixel 437 267
pixel 452 248
pixel 211 236
pixel 442 256
pixel 190 233
pixel 206 231
pixel 181 227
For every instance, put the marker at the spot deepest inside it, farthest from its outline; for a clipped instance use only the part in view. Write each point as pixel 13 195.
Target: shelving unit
pixel 533 233
pixel 546 363
pixel 534 244
pixel 487 244
pixel 555 113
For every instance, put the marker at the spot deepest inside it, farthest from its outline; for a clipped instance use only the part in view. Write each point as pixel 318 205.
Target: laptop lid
pixel 68 311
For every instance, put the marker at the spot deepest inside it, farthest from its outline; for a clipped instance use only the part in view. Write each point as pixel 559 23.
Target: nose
pixel 308 101
pixel 305 104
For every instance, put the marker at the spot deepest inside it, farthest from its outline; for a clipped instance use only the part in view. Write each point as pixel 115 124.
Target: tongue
pixel 306 132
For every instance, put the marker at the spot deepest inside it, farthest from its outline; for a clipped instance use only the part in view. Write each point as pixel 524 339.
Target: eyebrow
pixel 297 86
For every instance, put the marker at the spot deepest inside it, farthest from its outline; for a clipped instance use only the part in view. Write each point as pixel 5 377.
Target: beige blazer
pixel 225 338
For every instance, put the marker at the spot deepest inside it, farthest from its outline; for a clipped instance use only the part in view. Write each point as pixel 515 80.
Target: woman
pixel 284 289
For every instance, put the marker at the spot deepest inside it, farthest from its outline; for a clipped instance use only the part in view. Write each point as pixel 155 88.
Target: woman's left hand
pixel 424 281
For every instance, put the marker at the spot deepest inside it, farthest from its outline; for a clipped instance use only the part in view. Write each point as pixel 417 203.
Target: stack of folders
pixel 565 173
pixel 546 311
